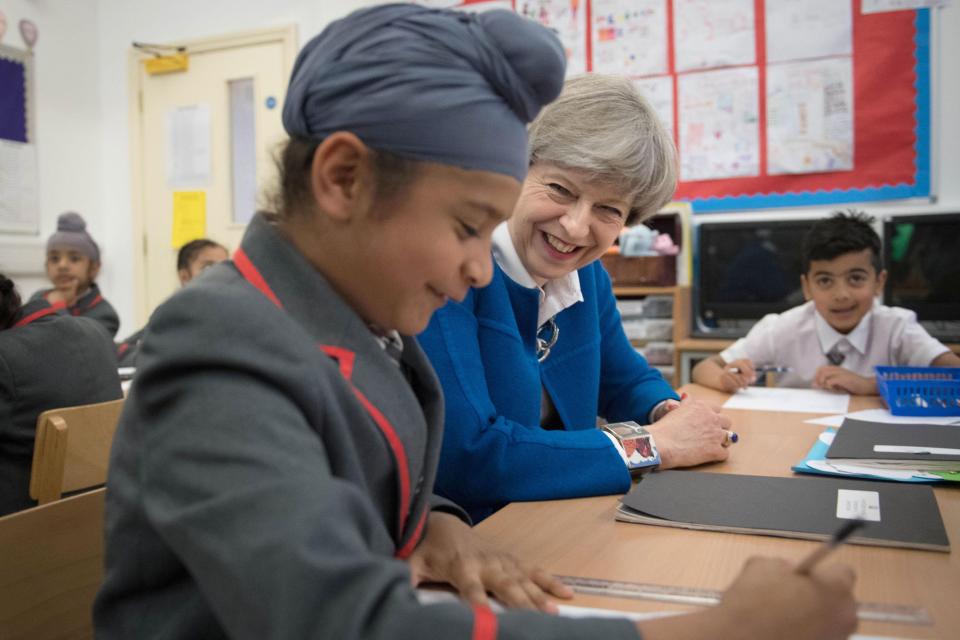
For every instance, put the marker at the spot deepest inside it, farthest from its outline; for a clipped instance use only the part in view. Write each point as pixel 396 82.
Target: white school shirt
pixel 800 339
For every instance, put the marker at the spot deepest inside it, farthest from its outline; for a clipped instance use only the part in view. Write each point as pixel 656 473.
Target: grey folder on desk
pixel 856 439
pixel 787 507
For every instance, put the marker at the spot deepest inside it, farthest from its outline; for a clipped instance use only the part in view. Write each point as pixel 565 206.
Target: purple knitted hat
pixel 72 233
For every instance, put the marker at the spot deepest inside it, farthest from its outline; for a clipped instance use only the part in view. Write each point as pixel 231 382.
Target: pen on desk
pixel 839 536
pixel 764 369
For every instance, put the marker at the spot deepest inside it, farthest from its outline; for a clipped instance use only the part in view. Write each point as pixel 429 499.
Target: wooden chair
pixel 72 449
pixel 51 566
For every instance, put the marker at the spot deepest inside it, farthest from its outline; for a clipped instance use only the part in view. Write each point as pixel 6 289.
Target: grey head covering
pixel 429 84
pixel 72 233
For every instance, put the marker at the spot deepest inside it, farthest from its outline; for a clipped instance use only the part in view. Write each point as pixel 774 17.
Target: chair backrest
pixel 72 449
pixel 51 565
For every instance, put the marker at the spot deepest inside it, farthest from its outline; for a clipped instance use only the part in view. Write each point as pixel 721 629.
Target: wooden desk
pixel 581 538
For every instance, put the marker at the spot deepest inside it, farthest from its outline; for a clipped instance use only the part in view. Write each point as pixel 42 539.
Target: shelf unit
pixel 630 292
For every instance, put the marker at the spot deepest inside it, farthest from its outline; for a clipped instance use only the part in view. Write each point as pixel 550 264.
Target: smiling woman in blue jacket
pixel 530 362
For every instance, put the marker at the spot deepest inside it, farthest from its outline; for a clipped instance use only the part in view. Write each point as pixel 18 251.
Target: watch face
pixel 641 451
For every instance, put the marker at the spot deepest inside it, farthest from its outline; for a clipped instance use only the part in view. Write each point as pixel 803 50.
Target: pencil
pixel 824 550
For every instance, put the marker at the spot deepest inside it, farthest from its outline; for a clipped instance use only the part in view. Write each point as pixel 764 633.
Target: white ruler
pixel 872 611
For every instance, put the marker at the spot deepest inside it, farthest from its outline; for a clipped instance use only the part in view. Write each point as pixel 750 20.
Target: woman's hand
pixel 834 378
pixel 450 552
pixel 689 434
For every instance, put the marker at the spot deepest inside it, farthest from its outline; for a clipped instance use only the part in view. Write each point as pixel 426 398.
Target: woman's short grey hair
pixel 601 124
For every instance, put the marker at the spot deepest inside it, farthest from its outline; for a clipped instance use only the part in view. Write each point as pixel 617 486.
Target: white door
pixel 203 142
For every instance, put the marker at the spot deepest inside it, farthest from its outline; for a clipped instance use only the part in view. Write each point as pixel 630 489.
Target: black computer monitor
pixel 922 258
pixel 743 271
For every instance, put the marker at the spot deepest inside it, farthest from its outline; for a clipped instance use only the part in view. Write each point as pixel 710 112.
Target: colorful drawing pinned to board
pixel 568 19
pixel 629 37
pixel 28 31
pixel 189 217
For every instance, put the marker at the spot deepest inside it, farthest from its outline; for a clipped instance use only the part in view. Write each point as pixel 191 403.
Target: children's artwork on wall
pixel 718 123
pixel 629 37
pixel 19 197
pixel 568 18
pixel 772 103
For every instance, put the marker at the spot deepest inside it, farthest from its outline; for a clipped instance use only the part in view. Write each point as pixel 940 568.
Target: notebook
pixel 898 515
pixel 927 447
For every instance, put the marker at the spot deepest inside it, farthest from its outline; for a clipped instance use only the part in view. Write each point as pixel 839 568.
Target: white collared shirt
pixel 800 339
pixel 555 295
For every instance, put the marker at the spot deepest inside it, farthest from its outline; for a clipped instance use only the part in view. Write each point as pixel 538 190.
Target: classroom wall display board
pixel 772 103
pixel 19 197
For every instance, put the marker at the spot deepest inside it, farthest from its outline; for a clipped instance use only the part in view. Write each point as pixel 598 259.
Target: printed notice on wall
pixel 188 147
pixel 189 217
pixel 659 93
pixel 629 37
pixel 713 33
pixel 568 18
pixel 20 201
pixel 802 29
pixel 719 124
pixel 810 116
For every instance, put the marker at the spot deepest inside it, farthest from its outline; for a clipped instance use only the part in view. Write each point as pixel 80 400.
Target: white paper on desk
pixel 799 400
pixel 713 33
pixel 803 29
pixel 569 21
pixel 810 116
pixel 629 37
pixel 718 123
pixel 883 415
pixel 659 93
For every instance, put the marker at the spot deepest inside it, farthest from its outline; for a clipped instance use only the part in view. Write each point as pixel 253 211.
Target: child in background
pixel 835 340
pixel 48 360
pixel 192 259
pixel 73 262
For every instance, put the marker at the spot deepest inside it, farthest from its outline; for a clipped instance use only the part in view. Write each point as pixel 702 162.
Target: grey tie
pixel 835 355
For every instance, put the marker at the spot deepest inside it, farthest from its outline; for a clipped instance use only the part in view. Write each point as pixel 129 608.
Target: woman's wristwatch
pixel 637 445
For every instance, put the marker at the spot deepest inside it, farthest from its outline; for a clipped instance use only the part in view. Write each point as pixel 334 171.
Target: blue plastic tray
pixel 920 391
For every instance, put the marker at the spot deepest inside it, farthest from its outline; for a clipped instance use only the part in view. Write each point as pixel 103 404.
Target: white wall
pixel 83 138
pixel 68 122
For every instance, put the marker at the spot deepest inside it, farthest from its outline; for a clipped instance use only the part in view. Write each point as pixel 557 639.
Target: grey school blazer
pixel 273 467
pixel 52 360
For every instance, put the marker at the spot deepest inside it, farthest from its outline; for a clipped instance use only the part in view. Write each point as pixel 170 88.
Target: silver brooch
pixel 547 336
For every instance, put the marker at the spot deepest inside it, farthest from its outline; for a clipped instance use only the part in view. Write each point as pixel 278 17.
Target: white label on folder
pixel 858 504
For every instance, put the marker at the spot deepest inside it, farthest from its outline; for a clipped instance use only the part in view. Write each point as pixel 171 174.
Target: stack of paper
pixel 782 399
pixel 901 452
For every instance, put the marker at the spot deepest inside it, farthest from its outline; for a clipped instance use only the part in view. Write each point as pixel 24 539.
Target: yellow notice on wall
pixel 189 217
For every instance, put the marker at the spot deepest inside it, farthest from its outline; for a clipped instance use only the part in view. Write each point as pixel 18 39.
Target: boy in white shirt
pixel 841 333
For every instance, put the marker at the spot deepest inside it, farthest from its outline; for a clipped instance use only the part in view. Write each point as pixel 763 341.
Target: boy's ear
pixel 94 270
pixel 881 280
pixel 805 286
pixel 184 275
pixel 340 176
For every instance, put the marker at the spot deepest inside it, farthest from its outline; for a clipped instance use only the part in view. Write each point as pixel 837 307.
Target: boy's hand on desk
pixel 834 378
pixel 736 375
pixel 450 552
pixel 772 600
pixel 690 434
pixel 769 599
